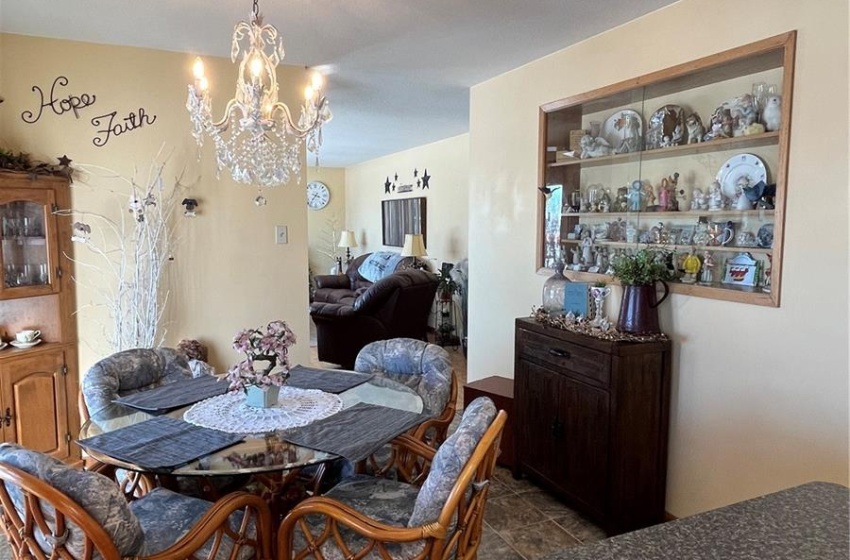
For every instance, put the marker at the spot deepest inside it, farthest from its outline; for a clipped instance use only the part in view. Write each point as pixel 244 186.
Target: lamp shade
pixel 414 246
pixel 347 239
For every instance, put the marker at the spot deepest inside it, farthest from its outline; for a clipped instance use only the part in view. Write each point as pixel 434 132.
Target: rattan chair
pixel 427 370
pixel 376 518
pixel 50 510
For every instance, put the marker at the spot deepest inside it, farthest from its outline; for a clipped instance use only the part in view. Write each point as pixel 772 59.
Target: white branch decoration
pixel 133 254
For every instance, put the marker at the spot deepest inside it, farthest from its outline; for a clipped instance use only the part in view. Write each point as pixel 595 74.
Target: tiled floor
pixel 521 521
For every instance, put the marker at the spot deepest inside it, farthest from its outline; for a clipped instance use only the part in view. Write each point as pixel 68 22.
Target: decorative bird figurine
pixel 771 115
pixel 547 191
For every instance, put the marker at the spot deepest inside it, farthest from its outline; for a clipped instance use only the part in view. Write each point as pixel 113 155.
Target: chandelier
pixel 257 138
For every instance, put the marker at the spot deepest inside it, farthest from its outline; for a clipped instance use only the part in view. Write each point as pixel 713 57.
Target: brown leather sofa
pixel 344 288
pixel 395 306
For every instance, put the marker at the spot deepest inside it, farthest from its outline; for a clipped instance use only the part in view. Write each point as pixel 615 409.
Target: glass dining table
pixel 256 453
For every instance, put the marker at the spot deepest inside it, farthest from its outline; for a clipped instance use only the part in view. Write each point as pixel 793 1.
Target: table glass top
pixel 256 453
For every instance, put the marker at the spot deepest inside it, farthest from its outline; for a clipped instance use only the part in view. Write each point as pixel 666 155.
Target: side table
pixel 501 391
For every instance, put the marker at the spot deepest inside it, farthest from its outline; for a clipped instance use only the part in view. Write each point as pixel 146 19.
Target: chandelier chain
pixel 256 7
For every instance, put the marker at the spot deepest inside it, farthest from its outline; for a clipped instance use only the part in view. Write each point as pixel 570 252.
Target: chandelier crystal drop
pixel 257 138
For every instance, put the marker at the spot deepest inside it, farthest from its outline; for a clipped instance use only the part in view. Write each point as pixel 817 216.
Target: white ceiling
pixel 399 71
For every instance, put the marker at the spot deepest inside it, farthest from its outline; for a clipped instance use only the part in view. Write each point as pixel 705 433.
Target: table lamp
pixel 414 246
pixel 347 240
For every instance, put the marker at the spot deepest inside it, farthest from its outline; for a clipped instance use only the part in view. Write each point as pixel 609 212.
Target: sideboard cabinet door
pixel 591 422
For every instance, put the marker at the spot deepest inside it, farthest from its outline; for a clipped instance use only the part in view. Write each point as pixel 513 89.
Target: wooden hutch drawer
pixel 563 355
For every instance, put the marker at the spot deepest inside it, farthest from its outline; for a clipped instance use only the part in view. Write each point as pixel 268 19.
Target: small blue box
pixel 575 298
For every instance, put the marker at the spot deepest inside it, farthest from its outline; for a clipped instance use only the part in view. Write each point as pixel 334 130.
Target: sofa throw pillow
pixel 379 264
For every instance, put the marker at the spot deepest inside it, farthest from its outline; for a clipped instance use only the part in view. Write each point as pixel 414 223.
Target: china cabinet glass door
pixel 28 257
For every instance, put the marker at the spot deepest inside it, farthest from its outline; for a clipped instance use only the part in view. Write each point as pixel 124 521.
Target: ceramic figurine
pixel 594 147
pixel 681 201
pixel 678 135
pixel 664 195
pixel 753 129
pixel 657 233
pixel 699 201
pixel 636 196
pixel 707 276
pixel 743 111
pixel 648 194
pixel 695 128
pixel 621 203
pixel 726 124
pixel 576 258
pixel 691 266
pixel 631 133
pixel 771 115
pixel 715 197
pixel 586 247
pixel 742 201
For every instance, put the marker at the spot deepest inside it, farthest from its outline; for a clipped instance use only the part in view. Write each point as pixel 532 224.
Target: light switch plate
pixel 281 237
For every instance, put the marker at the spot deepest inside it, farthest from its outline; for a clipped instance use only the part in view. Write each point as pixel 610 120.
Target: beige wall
pixel 323 226
pixel 447 162
pixel 228 273
pixel 760 395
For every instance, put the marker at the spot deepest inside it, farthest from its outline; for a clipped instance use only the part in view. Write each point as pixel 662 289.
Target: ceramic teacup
pixel 28 335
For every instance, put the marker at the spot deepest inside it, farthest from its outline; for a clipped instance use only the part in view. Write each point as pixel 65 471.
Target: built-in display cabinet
pixel 692 159
pixel 38 380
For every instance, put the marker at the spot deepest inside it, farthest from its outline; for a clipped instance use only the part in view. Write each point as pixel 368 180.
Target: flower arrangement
pixel 270 346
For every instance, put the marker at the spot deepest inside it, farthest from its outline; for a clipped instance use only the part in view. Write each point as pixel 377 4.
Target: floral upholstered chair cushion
pixel 425 368
pixel 98 495
pixel 147 526
pixel 166 516
pixel 131 371
pixel 450 460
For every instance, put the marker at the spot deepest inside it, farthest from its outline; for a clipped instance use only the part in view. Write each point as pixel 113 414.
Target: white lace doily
pixel 295 407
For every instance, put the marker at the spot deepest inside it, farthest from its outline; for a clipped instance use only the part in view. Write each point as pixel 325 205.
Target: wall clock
pixel 318 195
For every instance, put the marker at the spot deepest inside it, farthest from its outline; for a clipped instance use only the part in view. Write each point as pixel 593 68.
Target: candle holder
pixel 599 293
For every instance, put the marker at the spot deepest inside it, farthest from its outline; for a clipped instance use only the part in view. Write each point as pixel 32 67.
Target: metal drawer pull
pixel 8 418
pixel 559 353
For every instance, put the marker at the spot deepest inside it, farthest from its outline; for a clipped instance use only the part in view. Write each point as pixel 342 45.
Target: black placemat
pixel 160 443
pixel 175 395
pixel 355 433
pixel 327 380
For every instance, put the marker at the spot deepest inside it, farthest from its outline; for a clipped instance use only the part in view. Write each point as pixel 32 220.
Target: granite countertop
pixel 807 522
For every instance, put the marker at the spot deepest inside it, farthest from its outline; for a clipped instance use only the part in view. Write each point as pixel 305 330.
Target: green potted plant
pixel 639 272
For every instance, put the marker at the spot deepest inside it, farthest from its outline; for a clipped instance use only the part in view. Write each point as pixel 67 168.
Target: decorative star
pixel 396 177
pixel 425 179
pixel 415 172
pixel 387 186
pixel 64 161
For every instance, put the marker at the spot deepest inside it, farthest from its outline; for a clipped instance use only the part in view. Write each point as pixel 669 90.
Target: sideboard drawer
pixel 565 355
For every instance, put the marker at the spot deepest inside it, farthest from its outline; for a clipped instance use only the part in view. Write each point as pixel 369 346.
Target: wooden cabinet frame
pixel 39 385
pixel 559 117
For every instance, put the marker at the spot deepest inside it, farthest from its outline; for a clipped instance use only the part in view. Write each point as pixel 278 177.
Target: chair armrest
pixel 215 522
pixel 336 514
pixel 331 310
pixel 334 281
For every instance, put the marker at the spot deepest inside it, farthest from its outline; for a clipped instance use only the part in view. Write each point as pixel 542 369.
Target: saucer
pixel 17 344
pixel 3 345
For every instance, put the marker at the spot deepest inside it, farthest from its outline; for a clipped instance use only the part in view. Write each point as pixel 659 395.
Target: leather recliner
pixel 344 288
pixel 396 306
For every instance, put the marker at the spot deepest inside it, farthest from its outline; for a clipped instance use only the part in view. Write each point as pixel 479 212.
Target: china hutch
pixel 38 380
pixel 692 159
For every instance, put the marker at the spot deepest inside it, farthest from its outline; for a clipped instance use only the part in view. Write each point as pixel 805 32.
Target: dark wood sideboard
pixel 592 420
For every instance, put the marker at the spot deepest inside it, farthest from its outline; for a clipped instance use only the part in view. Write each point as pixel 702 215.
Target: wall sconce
pixel 190 205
